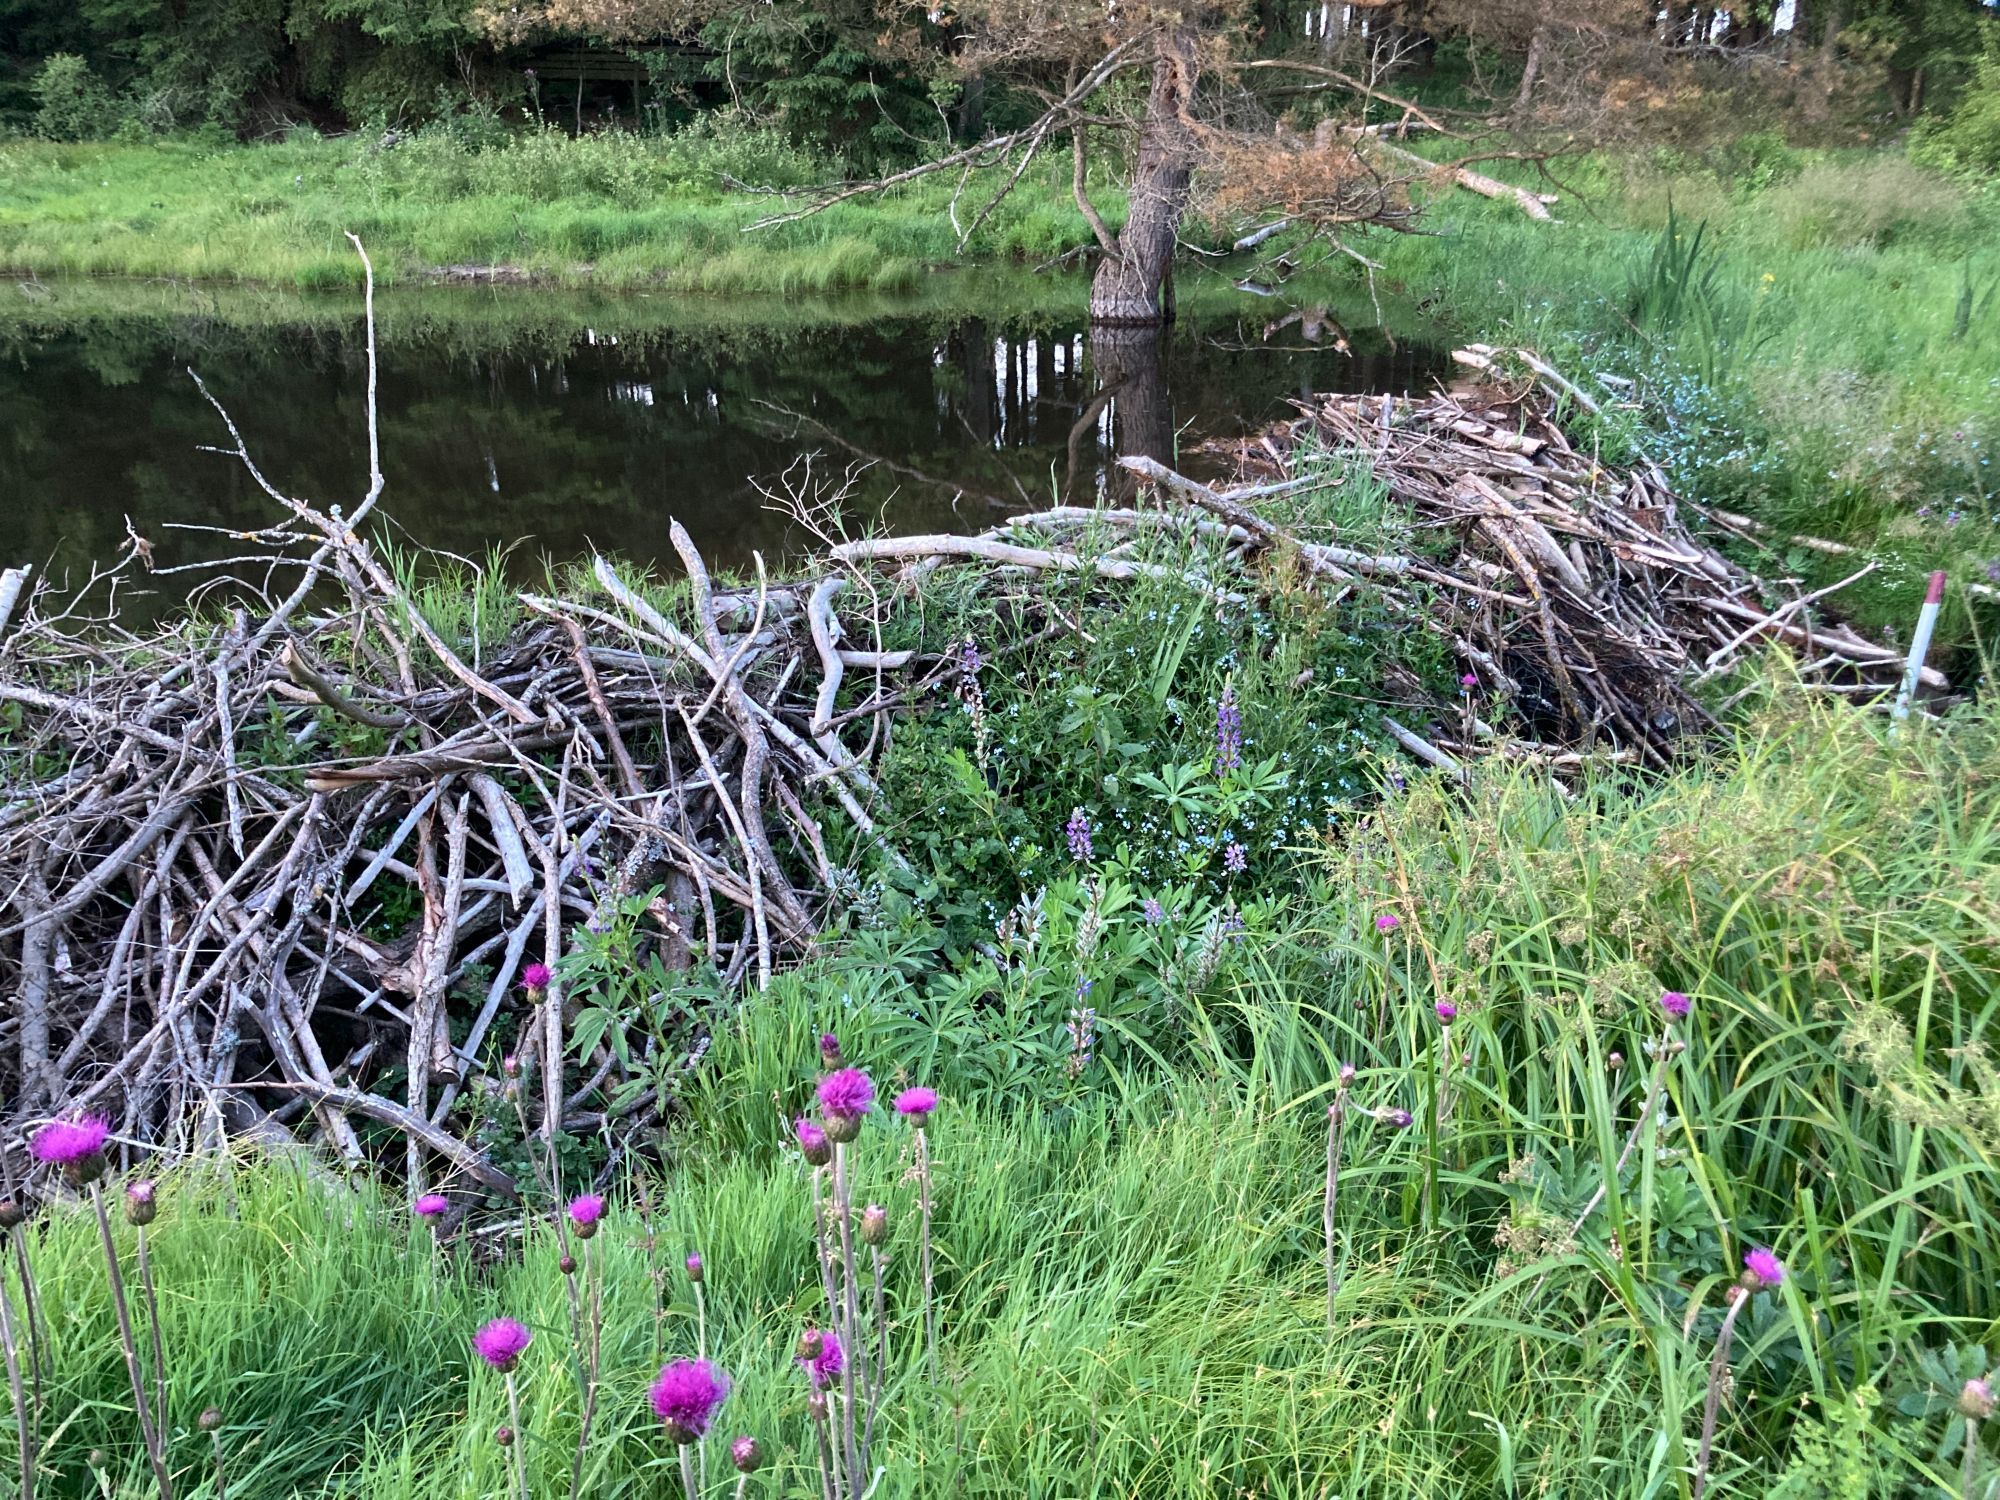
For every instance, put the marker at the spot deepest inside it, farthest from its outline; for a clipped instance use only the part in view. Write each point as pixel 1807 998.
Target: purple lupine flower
pixel 584 1212
pixel 686 1396
pixel 694 1268
pixel 65 1143
pixel 813 1144
pixel 501 1343
pixel 969 659
pixel 1764 1266
pixel 1388 922
pixel 1154 912
pixel 431 1206
pixel 916 1103
pixel 1447 1012
pixel 747 1454
pixel 535 978
pixel 1676 1005
pixel 829 1050
pixel 1235 858
pixel 1232 925
pixel 1077 831
pixel 1228 731
pixel 821 1368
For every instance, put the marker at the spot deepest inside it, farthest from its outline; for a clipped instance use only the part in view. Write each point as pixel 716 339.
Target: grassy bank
pixel 1130 1254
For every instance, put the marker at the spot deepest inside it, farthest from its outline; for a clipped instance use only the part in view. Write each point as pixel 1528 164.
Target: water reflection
pixel 593 439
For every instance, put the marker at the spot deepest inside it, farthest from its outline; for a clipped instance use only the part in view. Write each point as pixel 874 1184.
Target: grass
pixel 1130 1260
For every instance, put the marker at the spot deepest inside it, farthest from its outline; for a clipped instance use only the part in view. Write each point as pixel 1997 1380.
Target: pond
pixel 553 424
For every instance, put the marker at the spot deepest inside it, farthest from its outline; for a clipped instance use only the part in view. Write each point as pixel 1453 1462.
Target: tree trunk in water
pixel 1134 288
pixel 1130 370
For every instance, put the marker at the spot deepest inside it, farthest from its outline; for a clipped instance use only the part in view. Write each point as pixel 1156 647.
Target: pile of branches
pixel 1575 591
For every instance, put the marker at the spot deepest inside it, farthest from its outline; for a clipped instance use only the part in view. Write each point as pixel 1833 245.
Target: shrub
pixel 72 103
pixel 1966 141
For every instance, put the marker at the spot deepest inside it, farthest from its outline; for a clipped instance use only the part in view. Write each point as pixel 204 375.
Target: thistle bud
pixel 811 1343
pixel 504 1436
pixel 1402 1119
pixel 1975 1399
pixel 140 1209
pixel 210 1418
pixel 694 1266
pixel 874 1224
pixel 567 1265
pixel 511 1065
pixel 12 1213
pixel 747 1454
pixel 1347 1075
pixel 816 1406
pixel 829 1050
pixel 95 1458
pixel 1615 1061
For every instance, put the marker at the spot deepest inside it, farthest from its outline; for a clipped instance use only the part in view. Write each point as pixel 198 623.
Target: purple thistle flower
pixel 1764 1266
pixel 822 1368
pixel 1228 731
pixel 431 1206
pixel 584 1212
pixel 747 1454
pixel 65 1143
pixel 1975 1399
pixel 916 1103
pixel 846 1095
pixel 813 1143
pixel 1676 1005
pixel 1154 912
pixel 1235 858
pixel 1388 922
pixel 829 1050
pixel 1077 831
pixel 694 1269
pixel 1402 1119
pixel 686 1396
pixel 1447 1012
pixel 845 1098
pixel 501 1343
pixel 535 978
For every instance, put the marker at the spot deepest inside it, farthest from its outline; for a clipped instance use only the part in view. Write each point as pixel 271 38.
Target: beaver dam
pixel 196 818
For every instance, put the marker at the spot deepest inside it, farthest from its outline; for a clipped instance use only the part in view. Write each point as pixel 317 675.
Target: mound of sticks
pixel 286 871
pixel 1575 591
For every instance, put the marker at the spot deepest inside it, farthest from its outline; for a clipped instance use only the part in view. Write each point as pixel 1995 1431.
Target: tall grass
pixel 1133 1299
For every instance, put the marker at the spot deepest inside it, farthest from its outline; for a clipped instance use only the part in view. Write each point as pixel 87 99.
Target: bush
pixel 1966 141
pixel 72 103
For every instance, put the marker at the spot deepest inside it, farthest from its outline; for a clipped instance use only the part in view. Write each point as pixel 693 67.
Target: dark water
pixel 564 436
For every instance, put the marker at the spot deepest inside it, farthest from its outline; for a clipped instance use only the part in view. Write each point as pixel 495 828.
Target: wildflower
pixel 820 1356
pixel 77 1146
pixel 139 1206
pixel 1676 1005
pixel 584 1212
pixel 1077 831
pixel 874 1224
pixel 1402 1119
pixel 432 1206
pixel 686 1396
pixel 1155 913
pixel 210 1418
pixel 1388 922
pixel 829 1050
pixel 694 1266
pixel 510 1065
pixel 813 1143
pixel 1346 1075
pixel 969 659
pixel 1447 1012
pixel 746 1454
pixel 916 1104
pixel 501 1343
pixel 566 1263
pixel 1762 1270
pixel 1975 1399
pixel 503 1436
pixel 1228 732
pixel 845 1098
pixel 1615 1061
pixel 1235 858
pixel 1469 681
pixel 535 980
